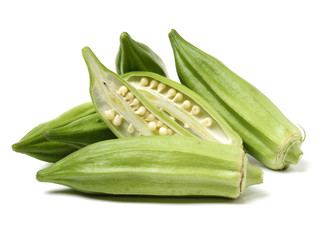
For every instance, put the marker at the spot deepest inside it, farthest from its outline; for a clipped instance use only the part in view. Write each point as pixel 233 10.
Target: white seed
pixel 152 126
pixel 186 125
pixel 178 97
pixel 207 122
pixel 144 81
pixel 135 102
pixel 129 96
pixel 176 134
pixel 123 90
pixel 172 118
pixel 169 131
pixel 150 118
pixel 153 84
pixel 195 110
pixel 159 124
pixel 163 131
pixel 110 114
pixel 186 104
pixel 161 87
pixel 171 93
pixel 140 134
pixel 130 128
pixel 141 111
pixel 117 120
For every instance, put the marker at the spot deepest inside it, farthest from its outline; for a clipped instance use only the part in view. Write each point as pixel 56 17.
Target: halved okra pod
pixel 267 134
pixel 156 165
pixel 126 112
pixel 183 106
pixel 136 56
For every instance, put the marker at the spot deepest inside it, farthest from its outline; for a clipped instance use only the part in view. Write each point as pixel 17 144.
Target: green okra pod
pixel 267 134
pixel 136 56
pixel 124 110
pixel 36 145
pixel 156 165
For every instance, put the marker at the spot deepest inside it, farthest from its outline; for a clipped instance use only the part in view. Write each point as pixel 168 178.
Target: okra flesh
pixel 156 165
pixel 184 106
pixel 136 56
pixel 267 134
pixel 123 109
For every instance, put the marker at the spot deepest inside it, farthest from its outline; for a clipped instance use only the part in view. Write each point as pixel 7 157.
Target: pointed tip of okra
pixel 42 175
pixel 15 147
pixel 124 35
pixel 95 67
pixel 173 33
pixel 20 147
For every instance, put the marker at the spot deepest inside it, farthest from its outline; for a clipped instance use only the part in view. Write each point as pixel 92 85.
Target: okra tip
pixel 124 35
pixel 173 33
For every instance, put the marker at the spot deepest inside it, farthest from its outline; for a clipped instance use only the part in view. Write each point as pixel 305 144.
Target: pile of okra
pixel 145 134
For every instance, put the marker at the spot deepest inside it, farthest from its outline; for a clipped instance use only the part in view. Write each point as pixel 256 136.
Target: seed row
pixel 176 97
pixel 153 123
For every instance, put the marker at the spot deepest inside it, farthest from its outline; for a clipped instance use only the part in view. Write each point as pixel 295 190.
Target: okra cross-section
pixel 183 106
pixel 156 165
pixel 122 108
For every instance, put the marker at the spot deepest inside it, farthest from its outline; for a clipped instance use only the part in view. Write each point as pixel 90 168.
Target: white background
pixel 278 46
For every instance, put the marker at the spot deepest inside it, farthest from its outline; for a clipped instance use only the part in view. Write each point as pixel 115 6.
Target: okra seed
pixel 163 131
pixel 207 122
pixel 152 126
pixel 161 87
pixel 141 111
pixel 178 97
pixel 172 118
pixel 153 84
pixel 195 110
pixel 160 124
pixel 129 96
pixel 150 118
pixel 110 114
pixel 130 128
pixel 186 104
pixel 144 81
pixel 134 102
pixel 117 120
pixel 186 125
pixel 171 93
pixel 169 131
pixel 123 90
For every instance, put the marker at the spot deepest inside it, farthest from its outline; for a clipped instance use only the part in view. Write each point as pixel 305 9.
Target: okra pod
pixel 267 134
pixel 156 165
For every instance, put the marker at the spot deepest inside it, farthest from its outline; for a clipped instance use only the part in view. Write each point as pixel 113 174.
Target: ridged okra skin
pixel 184 106
pixel 126 112
pixel 82 132
pixel 136 56
pixel 36 145
pixel 267 134
pixel 156 165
